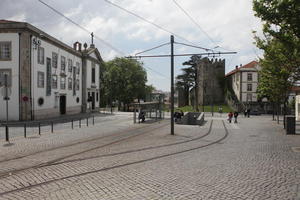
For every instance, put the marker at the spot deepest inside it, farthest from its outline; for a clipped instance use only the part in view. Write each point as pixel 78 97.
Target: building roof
pixel 3 21
pixel 249 65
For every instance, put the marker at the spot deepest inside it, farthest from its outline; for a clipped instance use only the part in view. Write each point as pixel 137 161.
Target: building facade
pixel 211 74
pixel 244 81
pixel 47 78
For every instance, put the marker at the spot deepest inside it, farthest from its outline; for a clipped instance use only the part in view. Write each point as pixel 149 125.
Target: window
pixel 41 79
pixel 70 83
pixel 41 55
pixel 63 63
pixel 54 81
pixel 93 73
pixel 77 84
pixel 4 72
pixel 77 67
pixel 249 97
pixel 62 83
pixel 249 76
pixel 70 65
pixel 54 59
pixel 5 50
pixel 249 87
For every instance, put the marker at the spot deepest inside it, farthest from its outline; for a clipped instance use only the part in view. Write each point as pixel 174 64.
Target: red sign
pixel 25 98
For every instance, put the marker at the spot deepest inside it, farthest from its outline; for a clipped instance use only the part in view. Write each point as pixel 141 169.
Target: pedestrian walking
pixel 245 113
pixel 235 114
pixel 248 112
pixel 230 115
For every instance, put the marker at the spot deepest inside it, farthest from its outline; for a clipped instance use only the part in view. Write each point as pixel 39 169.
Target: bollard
pixel 39 128
pixel 72 123
pixel 93 120
pixel 87 121
pixel 6 134
pixel 51 127
pixel 25 133
pixel 80 123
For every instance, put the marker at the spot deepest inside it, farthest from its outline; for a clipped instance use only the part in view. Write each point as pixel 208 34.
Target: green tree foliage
pixel 281 46
pixel 189 78
pixel 124 80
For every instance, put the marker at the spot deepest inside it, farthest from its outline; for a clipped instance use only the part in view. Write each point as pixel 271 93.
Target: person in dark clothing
pixel 248 112
pixel 235 114
pixel 245 113
pixel 230 115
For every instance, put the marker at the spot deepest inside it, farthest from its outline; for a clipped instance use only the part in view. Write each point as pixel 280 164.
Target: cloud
pixel 228 23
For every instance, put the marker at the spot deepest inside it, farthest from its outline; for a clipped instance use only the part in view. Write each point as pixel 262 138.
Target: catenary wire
pixel 86 30
pixel 152 23
pixel 81 27
pixel 153 48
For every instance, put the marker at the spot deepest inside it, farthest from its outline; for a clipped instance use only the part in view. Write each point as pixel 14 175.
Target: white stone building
pixel 47 77
pixel 244 81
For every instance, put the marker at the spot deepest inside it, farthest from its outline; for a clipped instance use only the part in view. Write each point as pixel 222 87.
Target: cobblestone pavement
pixel 118 160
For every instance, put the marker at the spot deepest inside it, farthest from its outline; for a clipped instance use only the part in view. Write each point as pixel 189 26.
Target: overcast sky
pixel 227 24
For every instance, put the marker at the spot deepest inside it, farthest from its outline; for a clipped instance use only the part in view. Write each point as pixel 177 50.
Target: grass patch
pixel 225 108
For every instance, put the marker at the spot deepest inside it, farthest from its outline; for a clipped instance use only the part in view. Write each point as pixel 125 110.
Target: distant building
pixel 47 77
pixel 211 75
pixel 244 82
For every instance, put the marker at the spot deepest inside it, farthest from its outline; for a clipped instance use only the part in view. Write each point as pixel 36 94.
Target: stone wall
pixel 211 77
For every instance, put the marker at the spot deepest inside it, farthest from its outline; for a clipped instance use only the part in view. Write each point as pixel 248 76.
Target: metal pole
pixel 51 127
pixel 25 134
pixel 72 123
pixel 6 99
pixel 172 85
pixel 39 128
pixel 80 123
pixel 93 120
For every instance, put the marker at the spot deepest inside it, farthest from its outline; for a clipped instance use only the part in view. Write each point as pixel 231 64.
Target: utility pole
pixel 172 85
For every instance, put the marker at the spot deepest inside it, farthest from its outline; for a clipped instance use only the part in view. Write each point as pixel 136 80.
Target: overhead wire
pixel 197 24
pixel 86 30
pixel 153 48
pixel 148 21
pixel 83 28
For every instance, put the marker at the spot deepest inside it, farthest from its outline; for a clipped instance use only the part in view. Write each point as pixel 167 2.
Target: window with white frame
pixel 70 65
pixel 4 72
pixel 93 73
pixel 5 50
pixel 77 84
pixel 41 79
pixel 70 83
pixel 77 68
pixel 249 76
pixel 249 97
pixel 249 87
pixel 54 81
pixel 41 55
pixel 62 83
pixel 54 59
pixel 63 63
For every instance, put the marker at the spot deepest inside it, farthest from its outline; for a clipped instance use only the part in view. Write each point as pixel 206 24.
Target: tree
pixel 192 73
pixel 124 80
pixel 281 22
pixel 281 46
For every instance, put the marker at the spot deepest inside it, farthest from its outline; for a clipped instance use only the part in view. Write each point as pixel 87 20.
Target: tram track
pixel 118 165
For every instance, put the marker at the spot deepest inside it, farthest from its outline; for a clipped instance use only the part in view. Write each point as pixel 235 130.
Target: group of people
pixel 236 114
pixel 231 115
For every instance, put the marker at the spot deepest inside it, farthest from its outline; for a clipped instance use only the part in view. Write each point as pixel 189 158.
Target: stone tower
pixel 211 76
